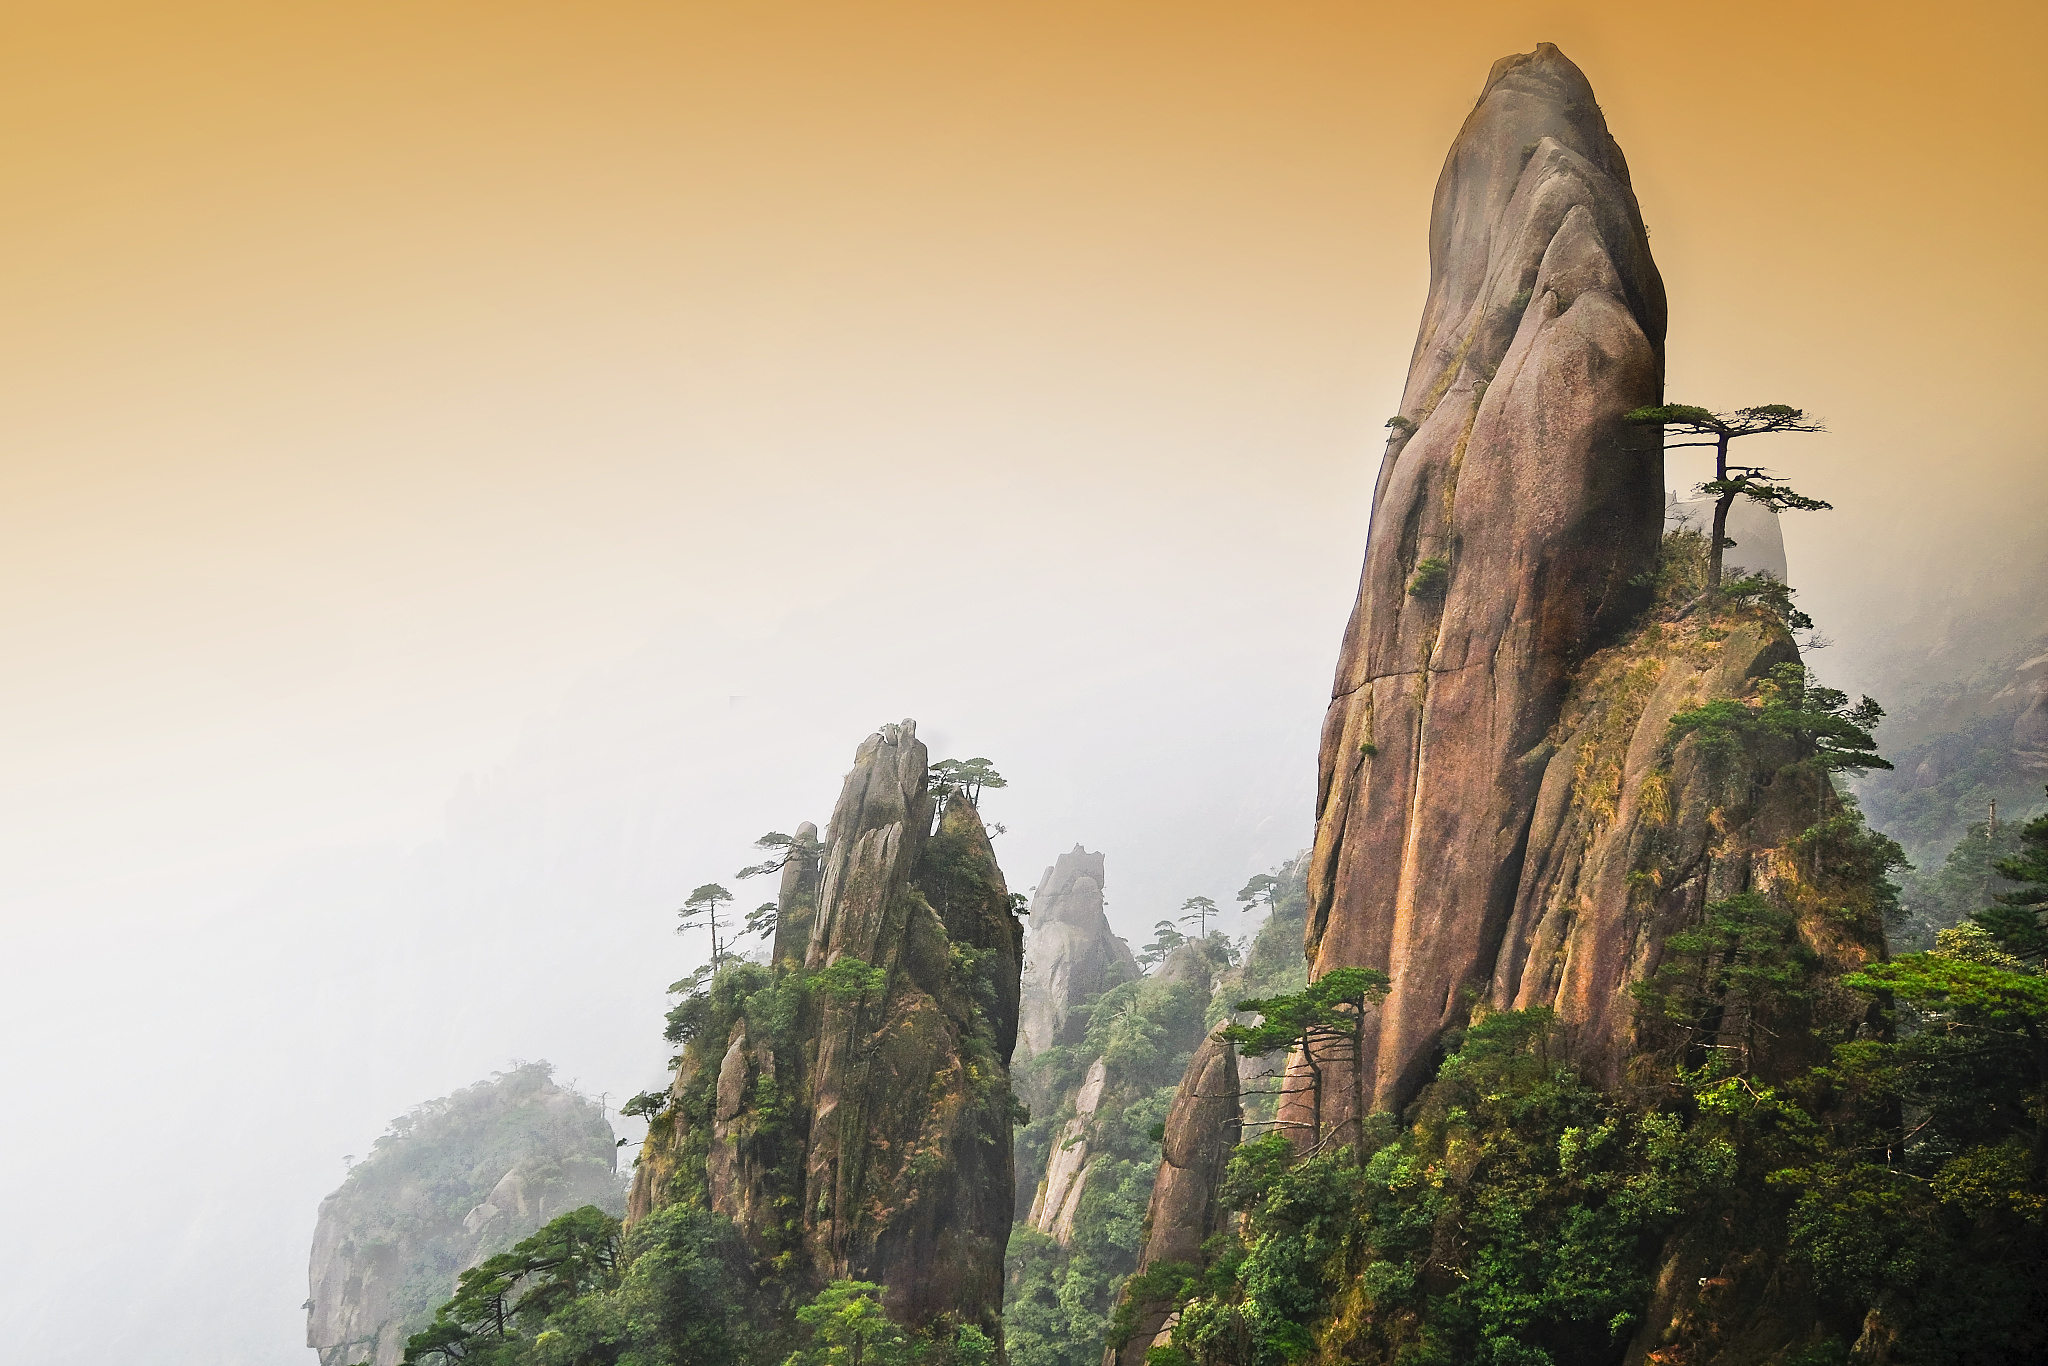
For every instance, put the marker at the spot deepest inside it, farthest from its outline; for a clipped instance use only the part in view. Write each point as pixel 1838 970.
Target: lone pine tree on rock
pixel 1733 481
pixel 966 775
pixel 702 910
pixel 1328 1013
pixel 1199 909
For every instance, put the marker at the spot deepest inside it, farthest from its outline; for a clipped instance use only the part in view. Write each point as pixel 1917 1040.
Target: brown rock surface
pixel 1632 838
pixel 1186 1211
pixel 1544 324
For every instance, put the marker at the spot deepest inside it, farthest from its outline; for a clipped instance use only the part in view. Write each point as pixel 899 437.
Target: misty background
pixel 469 472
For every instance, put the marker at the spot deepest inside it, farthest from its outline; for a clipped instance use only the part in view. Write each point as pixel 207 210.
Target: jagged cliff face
pixel 1625 917
pixel 454 1182
pixel 852 1110
pixel 1512 511
pixel 1071 956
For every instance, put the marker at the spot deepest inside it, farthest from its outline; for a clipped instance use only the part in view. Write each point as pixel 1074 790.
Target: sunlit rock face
pixel 1512 510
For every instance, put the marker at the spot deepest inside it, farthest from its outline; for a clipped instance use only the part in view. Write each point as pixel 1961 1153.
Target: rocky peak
pixel 862 1079
pixel 1070 892
pixel 1513 509
pixel 453 1182
pixel 1071 954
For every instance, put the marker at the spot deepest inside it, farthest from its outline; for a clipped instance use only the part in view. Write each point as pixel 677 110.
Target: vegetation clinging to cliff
pixel 1515 1220
pixel 1058 1299
pixel 1852 1159
pixel 416 1210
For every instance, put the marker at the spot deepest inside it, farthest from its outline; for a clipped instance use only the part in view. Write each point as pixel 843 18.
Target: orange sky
pixel 370 372
pixel 375 376
pixel 302 301
pixel 282 282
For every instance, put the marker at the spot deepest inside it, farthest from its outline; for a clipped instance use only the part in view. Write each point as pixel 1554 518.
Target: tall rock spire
pixel 1071 955
pixel 1512 511
pixel 848 1105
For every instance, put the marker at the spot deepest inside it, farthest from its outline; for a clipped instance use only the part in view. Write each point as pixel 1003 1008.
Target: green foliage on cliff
pixel 672 1292
pixel 773 1005
pixel 1058 1300
pixel 1320 1024
pixel 1895 1192
pixel 1514 1220
pixel 1431 578
pixel 415 1206
pixel 848 1328
pixel 682 1286
pixel 1835 1159
pixel 1831 734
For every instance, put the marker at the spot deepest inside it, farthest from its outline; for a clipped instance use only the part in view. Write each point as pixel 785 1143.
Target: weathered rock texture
pixel 1066 1170
pixel 1633 837
pixel 1071 956
pixel 880 1115
pixel 1090 1112
pixel 1517 505
pixel 1186 1211
pixel 455 1181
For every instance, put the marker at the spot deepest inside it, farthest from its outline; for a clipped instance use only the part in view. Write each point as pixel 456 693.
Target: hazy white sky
pixel 468 470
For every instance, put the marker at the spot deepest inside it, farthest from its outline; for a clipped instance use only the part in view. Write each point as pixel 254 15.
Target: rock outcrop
pixel 1066 1170
pixel 1632 837
pixel 1071 956
pixel 1186 1209
pixel 455 1181
pixel 1089 1112
pixel 1514 516
pixel 1090 1159
pixel 852 1102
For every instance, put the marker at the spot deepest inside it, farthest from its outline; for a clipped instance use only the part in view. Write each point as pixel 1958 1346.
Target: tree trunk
pixel 1358 1080
pixel 1726 502
pixel 1315 1090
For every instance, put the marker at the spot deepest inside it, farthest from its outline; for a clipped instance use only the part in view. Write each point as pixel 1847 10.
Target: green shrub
pixel 1431 578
